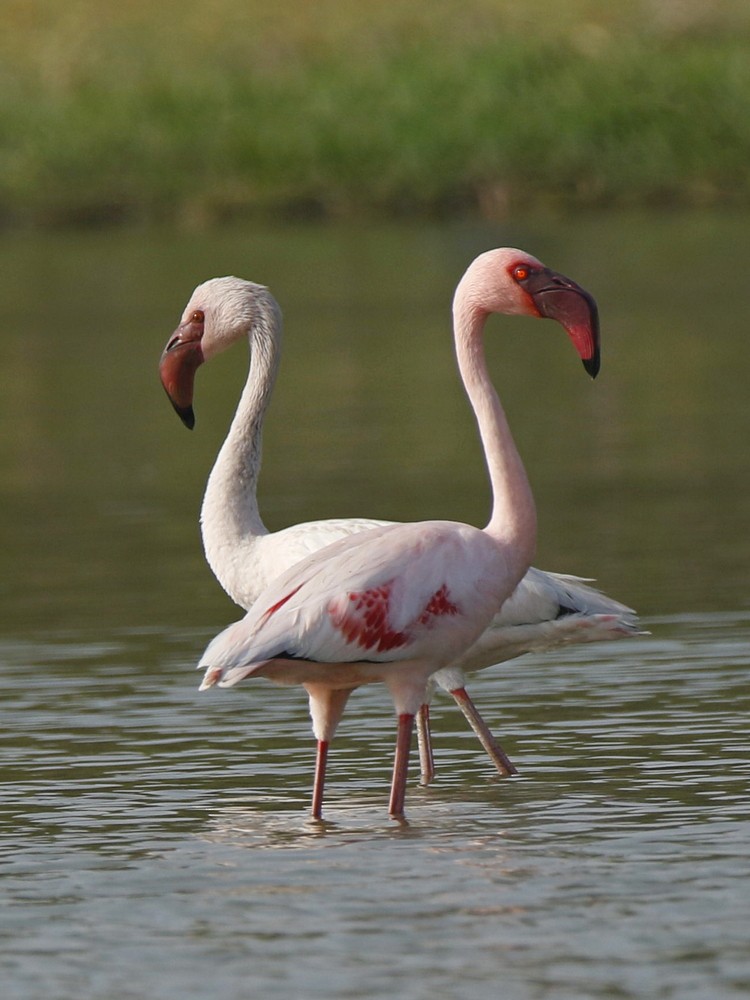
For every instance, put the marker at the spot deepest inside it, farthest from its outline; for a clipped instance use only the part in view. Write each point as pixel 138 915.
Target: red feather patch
pixel 279 604
pixel 364 619
pixel 437 606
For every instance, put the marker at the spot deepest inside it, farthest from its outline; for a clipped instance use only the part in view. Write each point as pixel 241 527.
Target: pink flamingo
pixel 546 609
pixel 396 603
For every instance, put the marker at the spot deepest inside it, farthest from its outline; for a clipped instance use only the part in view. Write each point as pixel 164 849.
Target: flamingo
pixel 395 603
pixel 546 609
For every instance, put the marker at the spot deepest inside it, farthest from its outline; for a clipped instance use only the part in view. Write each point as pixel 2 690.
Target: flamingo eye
pixel 198 316
pixel 521 272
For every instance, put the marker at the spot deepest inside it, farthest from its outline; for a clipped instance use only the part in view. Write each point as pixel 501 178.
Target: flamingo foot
pixel 424 741
pixel 496 753
pixel 401 767
pixel 321 760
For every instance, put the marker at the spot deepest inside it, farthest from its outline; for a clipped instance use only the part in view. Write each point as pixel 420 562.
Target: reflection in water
pixel 156 841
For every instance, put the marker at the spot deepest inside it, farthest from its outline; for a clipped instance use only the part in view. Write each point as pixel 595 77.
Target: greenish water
pixel 155 840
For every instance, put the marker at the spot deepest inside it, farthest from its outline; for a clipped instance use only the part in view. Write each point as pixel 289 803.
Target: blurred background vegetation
pixel 203 110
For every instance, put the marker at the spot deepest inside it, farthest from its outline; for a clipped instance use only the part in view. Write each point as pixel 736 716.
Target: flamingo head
pixel 220 312
pixel 512 282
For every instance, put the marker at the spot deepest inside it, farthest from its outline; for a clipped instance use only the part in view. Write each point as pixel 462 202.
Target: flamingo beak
pixel 557 297
pixel 179 362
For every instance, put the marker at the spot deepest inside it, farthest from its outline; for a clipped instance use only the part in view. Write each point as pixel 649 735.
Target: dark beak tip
pixel 592 365
pixel 186 415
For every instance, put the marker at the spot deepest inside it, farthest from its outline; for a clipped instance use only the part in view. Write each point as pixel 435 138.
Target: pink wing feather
pixel 383 595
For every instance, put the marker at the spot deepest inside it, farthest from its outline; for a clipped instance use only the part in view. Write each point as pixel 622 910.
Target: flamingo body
pixel 391 604
pixel 423 591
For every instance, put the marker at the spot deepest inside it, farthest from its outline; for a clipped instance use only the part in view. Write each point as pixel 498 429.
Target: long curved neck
pixel 230 519
pixel 513 517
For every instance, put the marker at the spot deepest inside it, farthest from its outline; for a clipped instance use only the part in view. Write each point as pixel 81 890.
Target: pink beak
pixel 179 362
pixel 557 297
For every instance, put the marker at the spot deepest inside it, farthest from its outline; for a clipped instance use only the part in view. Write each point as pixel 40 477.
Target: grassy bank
pixel 198 111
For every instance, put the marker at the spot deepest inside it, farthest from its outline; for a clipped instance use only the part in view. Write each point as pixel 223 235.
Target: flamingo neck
pixel 513 519
pixel 230 520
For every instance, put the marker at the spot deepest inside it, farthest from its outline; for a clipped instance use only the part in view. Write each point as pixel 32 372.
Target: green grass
pixel 199 111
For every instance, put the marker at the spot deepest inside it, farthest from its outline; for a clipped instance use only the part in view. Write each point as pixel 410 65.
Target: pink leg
pixel 320 779
pixel 326 708
pixel 401 766
pixel 424 741
pixel 496 753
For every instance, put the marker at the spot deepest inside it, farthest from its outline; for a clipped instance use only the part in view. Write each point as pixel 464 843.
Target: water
pixel 155 841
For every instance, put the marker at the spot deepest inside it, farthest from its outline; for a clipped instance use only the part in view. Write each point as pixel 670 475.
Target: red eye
pixel 197 316
pixel 521 272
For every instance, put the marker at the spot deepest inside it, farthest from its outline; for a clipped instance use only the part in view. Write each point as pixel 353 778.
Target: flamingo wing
pixel 397 592
pixel 545 610
pixel 544 597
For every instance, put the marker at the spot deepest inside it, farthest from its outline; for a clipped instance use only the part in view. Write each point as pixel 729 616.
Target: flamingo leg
pixel 424 741
pixel 321 760
pixel 401 766
pixel 496 753
pixel 326 708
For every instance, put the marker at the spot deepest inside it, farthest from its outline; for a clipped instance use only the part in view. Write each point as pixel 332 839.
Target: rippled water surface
pixel 155 841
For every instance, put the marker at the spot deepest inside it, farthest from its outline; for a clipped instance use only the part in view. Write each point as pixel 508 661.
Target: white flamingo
pixel 546 609
pixel 393 603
